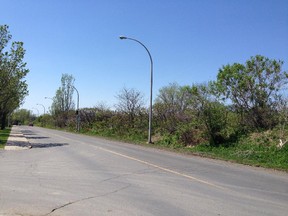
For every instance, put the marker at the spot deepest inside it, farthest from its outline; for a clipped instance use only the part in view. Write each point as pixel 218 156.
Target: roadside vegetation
pixel 260 150
pixel 13 87
pixel 4 134
pixel 241 116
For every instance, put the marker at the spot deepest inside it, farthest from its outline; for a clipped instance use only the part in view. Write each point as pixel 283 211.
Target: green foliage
pixel 63 102
pixel 102 121
pixel 190 134
pixel 13 88
pixel 192 115
pixel 257 149
pixel 45 120
pixel 4 134
pixel 170 141
pixel 174 97
pixel 254 90
pixel 220 123
pixel 175 117
pixel 241 117
pixel 21 116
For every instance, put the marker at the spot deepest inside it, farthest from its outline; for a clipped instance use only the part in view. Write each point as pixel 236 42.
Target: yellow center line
pixel 150 164
pixel 161 168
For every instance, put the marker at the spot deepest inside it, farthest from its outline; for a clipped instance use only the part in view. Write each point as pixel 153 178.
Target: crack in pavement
pixel 87 198
pixel 112 192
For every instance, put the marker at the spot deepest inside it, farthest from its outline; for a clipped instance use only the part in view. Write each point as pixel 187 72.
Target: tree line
pixel 13 87
pixel 244 98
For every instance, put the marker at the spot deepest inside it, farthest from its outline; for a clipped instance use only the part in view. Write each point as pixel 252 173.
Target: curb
pixel 16 140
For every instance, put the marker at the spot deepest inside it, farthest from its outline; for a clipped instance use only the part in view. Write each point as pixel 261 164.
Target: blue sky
pixel 189 41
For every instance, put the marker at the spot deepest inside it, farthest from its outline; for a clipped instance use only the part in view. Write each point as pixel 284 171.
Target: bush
pixel 255 149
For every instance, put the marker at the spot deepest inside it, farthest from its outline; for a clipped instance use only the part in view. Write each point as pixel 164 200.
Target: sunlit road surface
pixel 70 174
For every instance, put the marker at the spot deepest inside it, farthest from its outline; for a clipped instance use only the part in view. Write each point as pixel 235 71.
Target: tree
pixel 253 89
pixel 13 88
pixel 130 103
pixel 63 100
pixel 192 115
pixel 174 120
pixel 22 116
pixel 171 104
pixel 221 125
pixel 175 97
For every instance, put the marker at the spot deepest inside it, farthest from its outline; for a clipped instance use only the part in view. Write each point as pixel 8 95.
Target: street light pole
pixel 37 111
pixel 77 112
pixel 151 84
pixel 52 103
pixel 43 107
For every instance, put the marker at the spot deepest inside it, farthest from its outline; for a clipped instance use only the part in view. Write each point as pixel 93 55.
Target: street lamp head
pixel 122 37
pixel 49 98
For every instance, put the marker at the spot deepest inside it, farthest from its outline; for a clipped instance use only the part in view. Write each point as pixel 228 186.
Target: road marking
pixel 236 193
pixel 149 164
pixel 161 168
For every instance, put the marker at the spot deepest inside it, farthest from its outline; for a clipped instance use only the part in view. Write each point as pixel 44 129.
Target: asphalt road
pixel 70 174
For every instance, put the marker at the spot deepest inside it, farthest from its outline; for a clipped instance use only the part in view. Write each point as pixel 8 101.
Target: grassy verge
pixel 254 155
pixel 4 134
pixel 129 138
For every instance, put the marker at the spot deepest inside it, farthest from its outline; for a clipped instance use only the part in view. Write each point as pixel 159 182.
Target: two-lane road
pixel 70 174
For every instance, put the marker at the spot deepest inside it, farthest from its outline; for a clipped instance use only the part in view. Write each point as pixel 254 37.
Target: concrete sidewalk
pixel 16 140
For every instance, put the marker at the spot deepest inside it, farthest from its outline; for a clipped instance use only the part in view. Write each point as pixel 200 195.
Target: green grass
pixel 135 138
pixel 254 155
pixel 256 149
pixel 4 134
